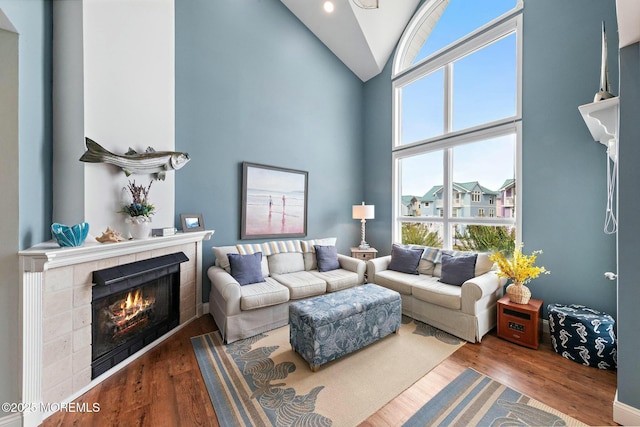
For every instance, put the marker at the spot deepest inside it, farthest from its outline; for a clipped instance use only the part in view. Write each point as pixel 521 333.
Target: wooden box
pixel 520 323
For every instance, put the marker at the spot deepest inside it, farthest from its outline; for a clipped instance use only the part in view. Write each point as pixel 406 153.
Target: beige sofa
pixel 290 273
pixel 467 311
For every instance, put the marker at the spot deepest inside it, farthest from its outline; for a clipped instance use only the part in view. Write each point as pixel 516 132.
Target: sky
pixel 484 88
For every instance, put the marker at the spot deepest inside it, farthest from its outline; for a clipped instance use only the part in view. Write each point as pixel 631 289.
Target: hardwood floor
pixel 164 387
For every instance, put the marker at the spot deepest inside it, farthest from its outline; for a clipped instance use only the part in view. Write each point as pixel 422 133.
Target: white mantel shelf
pixel 602 120
pixel 50 255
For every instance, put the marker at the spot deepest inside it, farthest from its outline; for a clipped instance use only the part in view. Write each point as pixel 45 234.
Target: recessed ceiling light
pixel 328 6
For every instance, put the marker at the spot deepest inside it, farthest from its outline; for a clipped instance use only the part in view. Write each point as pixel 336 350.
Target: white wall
pixel 127 58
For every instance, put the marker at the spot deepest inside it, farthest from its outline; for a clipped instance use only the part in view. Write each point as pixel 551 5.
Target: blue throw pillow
pixel 327 258
pixel 246 269
pixel 458 269
pixel 405 260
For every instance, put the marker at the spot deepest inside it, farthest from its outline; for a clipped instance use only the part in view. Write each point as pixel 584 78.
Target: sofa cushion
pixel 432 254
pixel 457 270
pixel 246 269
pixel 327 258
pixel 302 284
pixel 284 263
pixel 405 260
pixel 426 267
pixel 483 264
pixel 337 279
pixel 309 252
pixel 399 282
pixel 270 248
pixel 222 260
pixel 308 245
pixel 429 289
pixel 263 294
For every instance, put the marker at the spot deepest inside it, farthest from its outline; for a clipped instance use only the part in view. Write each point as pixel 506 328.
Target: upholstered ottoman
pixel 329 326
pixel 583 335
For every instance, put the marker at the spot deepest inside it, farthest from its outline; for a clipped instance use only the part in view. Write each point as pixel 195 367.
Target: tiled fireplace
pixel 56 299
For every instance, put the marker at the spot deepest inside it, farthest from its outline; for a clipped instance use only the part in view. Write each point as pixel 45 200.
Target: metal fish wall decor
pixel 149 162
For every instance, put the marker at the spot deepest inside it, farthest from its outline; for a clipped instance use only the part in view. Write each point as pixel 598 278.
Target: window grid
pixel 449 139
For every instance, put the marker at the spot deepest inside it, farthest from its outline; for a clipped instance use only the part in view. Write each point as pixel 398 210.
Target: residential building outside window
pixel 456 116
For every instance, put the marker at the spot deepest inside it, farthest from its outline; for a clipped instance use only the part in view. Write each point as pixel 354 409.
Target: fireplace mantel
pixel 56 348
pixel 50 255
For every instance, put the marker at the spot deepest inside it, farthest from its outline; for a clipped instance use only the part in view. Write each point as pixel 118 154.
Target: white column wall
pixel 127 85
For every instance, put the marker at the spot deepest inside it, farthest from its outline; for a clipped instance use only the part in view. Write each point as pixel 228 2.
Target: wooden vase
pixel 518 293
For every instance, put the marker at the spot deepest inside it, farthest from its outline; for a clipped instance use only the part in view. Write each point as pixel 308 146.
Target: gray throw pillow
pixel 327 258
pixel 405 260
pixel 246 269
pixel 457 269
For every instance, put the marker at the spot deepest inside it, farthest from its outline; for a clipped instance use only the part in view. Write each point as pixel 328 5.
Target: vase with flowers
pixel 520 268
pixel 139 210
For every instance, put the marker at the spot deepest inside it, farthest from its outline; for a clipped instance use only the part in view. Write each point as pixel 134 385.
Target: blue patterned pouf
pixel 332 325
pixel 583 335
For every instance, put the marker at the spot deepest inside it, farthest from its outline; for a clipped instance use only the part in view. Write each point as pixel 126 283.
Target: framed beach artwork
pixel 274 202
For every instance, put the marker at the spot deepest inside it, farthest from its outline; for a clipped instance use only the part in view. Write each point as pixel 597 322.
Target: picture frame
pixel 274 202
pixel 191 222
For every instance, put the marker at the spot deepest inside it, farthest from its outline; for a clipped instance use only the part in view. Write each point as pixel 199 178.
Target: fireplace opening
pixel 132 306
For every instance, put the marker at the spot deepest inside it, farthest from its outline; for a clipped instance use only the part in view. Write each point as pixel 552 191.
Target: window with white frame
pixel 456 115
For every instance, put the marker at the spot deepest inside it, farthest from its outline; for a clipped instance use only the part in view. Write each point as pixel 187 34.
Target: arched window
pixel 456 124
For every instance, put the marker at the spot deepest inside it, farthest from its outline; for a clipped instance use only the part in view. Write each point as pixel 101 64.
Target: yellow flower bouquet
pixel 520 269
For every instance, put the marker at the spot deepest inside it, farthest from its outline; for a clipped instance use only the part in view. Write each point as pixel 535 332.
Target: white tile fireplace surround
pixel 55 297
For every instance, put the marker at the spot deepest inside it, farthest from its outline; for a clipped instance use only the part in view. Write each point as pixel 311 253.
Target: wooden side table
pixel 520 323
pixel 364 254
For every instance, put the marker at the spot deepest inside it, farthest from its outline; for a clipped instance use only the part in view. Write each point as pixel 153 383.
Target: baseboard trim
pixel 545 327
pixel 13 420
pixel 624 414
pixel 205 308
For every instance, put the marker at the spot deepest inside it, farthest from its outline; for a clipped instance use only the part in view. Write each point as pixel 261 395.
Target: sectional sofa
pixel 252 285
pixel 456 292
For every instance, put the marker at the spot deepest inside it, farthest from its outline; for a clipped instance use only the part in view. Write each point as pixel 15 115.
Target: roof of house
pixel 507 183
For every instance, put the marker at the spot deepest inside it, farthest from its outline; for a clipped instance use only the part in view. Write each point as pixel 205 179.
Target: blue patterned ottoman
pixel 583 335
pixel 329 326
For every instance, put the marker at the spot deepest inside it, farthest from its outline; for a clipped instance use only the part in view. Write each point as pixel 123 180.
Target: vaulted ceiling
pixel 363 39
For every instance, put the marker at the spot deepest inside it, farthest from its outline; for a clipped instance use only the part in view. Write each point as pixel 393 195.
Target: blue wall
pixel 253 84
pixel 564 170
pixel 32 20
pixel 628 267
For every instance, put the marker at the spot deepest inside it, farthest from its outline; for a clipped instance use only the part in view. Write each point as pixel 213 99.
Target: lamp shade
pixel 363 211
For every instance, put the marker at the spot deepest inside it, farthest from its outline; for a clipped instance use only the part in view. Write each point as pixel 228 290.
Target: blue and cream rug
pixel 261 381
pixel 473 399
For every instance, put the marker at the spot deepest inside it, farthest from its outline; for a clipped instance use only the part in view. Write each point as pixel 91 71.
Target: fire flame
pixel 134 303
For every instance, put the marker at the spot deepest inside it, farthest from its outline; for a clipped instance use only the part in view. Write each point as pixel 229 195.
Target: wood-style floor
pixel 164 387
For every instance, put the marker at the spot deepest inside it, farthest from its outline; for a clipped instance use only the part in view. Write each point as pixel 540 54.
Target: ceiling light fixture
pixel 328 6
pixel 367 4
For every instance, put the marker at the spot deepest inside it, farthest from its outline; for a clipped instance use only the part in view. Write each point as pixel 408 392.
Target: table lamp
pixel 363 213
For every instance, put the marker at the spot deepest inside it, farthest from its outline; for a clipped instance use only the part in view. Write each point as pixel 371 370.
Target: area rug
pixel 262 381
pixel 474 399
